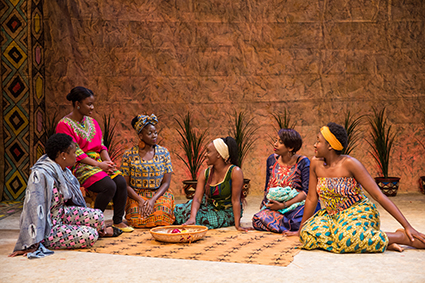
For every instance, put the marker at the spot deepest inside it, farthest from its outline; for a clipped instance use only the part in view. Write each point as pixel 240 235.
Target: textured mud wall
pixel 317 58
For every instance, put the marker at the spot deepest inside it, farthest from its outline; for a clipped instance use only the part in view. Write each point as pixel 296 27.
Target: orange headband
pixel 331 139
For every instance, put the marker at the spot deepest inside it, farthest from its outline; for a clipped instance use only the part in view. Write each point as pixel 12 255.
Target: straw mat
pixel 220 245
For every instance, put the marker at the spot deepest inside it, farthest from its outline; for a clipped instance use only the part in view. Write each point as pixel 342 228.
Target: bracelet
pixel 284 205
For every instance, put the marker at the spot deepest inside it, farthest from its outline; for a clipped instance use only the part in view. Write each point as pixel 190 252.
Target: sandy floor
pixel 308 266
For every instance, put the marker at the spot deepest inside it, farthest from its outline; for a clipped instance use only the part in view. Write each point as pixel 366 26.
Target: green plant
pixel 243 131
pixel 193 145
pixel 381 140
pixel 50 125
pixel 351 125
pixel 284 122
pixel 109 139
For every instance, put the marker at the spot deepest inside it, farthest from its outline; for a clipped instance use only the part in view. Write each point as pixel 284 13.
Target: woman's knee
pixel 104 186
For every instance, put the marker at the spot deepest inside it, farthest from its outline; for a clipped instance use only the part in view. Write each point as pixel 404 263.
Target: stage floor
pixel 308 266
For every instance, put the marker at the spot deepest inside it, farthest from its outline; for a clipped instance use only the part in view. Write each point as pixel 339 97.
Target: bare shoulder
pixel 316 161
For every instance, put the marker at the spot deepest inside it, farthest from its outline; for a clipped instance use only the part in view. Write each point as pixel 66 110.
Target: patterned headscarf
pixel 143 120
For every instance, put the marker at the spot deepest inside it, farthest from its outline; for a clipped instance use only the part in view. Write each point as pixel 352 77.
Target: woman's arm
pixel 237 184
pixel 363 177
pixel 312 197
pixel 197 199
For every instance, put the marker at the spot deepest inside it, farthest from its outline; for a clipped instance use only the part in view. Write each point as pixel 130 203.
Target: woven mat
pixel 217 245
pixel 8 208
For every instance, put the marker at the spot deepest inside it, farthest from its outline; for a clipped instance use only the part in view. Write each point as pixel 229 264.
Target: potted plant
pixel 243 131
pixel 381 141
pixel 193 145
pixel 351 124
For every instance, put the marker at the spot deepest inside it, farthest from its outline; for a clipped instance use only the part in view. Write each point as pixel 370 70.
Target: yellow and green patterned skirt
pixel 352 230
pixel 161 215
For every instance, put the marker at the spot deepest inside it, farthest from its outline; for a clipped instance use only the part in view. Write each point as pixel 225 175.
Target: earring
pixel 141 144
pixel 64 158
pixel 78 107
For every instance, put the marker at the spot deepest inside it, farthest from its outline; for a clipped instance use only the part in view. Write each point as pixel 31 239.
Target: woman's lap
pixel 355 229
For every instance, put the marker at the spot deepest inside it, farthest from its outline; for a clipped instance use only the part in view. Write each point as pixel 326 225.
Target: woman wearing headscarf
pixel 55 215
pixel 217 201
pixel 147 170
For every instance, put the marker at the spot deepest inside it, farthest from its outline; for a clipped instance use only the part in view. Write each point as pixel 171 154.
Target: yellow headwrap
pixel 331 139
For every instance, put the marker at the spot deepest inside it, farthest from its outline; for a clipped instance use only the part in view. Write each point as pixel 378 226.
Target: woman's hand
pixel 291 233
pixel 275 205
pixel 142 207
pixel 414 235
pixel 190 221
pixel 244 229
pixel 149 207
pixel 25 252
pixel 107 166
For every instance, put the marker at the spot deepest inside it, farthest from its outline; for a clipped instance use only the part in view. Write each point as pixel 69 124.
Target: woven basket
pixel 164 234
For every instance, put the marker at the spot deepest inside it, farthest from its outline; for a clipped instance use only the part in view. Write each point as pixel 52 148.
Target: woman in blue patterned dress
pixel 217 200
pixel 349 222
pixel 284 168
pixel 147 170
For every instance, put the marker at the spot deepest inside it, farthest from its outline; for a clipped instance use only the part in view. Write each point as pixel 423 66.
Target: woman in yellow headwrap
pixel 349 222
pixel 147 169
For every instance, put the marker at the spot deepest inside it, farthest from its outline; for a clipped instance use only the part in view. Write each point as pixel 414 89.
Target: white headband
pixel 221 148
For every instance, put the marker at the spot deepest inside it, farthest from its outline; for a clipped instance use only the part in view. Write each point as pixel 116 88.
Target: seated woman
pixel 55 213
pixel 147 170
pixel 350 221
pixel 217 200
pixel 94 169
pixel 284 168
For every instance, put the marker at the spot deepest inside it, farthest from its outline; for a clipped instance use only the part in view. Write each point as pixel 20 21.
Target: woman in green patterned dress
pixel 217 200
pixel 349 222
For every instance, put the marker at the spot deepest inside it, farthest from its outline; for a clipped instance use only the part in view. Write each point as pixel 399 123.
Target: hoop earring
pixel 142 144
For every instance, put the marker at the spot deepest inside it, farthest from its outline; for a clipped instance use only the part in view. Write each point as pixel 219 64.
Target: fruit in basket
pixel 174 231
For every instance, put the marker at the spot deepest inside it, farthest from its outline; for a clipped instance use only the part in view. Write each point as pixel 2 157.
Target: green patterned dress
pixel 216 209
pixel 349 223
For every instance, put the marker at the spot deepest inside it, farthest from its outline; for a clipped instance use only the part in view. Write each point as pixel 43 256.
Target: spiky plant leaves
pixel 351 125
pixel 193 145
pixel 243 132
pixel 109 139
pixel 381 140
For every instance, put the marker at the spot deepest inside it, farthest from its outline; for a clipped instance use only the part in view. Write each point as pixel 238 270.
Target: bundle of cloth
pixel 282 194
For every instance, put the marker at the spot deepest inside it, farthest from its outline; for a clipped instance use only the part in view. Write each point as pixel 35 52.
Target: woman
pixel 147 170
pixel 284 168
pixel 217 200
pixel 55 214
pixel 94 169
pixel 349 222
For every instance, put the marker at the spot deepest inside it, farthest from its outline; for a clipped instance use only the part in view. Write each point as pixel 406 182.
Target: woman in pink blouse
pixel 94 169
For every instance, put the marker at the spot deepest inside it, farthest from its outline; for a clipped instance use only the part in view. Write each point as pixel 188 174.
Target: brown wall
pixel 318 58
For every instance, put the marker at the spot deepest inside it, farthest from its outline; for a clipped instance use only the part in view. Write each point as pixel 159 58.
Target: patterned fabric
pixel 46 182
pixel 353 229
pixel 73 227
pixel 338 194
pixel 145 178
pixel 283 194
pixel 143 120
pixel 46 174
pixel 216 210
pixel 162 211
pixel 84 171
pixel 295 177
pixel 88 137
pixel 146 174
